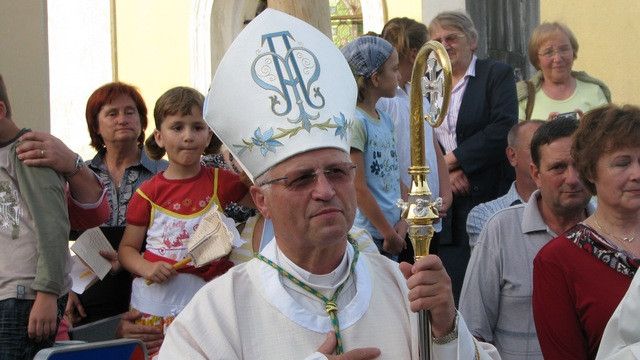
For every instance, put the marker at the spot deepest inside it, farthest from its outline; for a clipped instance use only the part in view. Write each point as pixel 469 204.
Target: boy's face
pixel 184 137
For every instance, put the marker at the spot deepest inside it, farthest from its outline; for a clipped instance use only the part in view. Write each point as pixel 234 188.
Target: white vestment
pixel 621 338
pixel 252 312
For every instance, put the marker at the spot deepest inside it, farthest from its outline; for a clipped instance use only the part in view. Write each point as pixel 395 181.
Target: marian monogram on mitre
pixel 281 89
pixel 288 72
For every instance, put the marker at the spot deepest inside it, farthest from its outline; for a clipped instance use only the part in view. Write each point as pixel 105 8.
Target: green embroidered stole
pixel 331 305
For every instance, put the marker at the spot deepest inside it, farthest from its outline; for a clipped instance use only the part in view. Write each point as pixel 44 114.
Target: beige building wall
pixel 80 60
pixel 421 10
pixel 404 8
pixel 431 8
pixel 607 33
pixel 153 46
pixel 24 62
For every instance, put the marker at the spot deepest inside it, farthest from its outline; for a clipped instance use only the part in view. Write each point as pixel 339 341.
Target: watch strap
pixel 76 168
pixel 451 336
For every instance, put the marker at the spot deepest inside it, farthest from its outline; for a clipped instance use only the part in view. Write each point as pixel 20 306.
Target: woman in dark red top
pixel 580 277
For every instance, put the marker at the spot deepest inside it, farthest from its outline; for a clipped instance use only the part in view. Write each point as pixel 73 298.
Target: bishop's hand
pixel 328 347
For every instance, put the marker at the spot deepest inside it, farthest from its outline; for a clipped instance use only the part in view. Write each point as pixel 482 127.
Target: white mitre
pixel 282 88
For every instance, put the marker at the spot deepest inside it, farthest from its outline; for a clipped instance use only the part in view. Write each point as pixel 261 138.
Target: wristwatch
pixel 76 168
pixel 451 336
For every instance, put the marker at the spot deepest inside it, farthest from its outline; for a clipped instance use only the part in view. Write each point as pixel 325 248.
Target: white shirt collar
pixel 328 282
pixel 308 311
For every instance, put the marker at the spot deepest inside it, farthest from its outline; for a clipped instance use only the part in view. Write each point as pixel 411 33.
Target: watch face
pixel 79 162
pixel 78 166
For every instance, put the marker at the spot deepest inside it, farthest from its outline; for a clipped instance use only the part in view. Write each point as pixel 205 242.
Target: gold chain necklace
pixel 625 239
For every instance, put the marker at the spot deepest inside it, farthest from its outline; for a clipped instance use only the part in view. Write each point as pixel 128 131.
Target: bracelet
pixel 79 164
pixel 451 336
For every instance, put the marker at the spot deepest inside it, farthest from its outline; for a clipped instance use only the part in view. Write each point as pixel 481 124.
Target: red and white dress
pixel 172 210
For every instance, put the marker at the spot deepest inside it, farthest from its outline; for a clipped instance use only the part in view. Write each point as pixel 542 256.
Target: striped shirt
pixel 447 131
pixel 480 214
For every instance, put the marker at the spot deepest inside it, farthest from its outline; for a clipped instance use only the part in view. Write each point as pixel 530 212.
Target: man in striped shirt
pixel 519 156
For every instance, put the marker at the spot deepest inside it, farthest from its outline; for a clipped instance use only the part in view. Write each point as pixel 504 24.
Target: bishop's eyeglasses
pixel 301 180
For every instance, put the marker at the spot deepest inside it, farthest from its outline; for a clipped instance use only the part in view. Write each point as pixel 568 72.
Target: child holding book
pixel 168 208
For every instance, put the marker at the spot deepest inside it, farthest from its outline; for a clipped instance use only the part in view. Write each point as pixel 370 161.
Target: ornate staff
pixel 420 211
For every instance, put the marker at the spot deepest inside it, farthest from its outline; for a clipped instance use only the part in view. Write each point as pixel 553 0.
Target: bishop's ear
pixel 258 194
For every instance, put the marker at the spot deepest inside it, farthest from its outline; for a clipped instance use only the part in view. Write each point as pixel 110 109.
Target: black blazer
pixel 488 110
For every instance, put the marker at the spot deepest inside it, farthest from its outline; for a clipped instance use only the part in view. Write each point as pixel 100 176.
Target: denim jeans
pixel 14 321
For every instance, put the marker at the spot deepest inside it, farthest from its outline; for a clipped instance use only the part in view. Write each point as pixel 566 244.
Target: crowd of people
pixel 533 254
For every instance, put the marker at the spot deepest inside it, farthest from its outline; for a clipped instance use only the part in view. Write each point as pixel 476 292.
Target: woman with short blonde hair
pixel 556 88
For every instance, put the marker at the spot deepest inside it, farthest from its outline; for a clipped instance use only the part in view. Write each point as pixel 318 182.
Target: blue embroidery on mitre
pixel 290 72
pixel 267 141
pixel 342 126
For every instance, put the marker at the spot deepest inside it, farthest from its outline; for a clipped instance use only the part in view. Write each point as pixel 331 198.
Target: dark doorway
pixel 504 27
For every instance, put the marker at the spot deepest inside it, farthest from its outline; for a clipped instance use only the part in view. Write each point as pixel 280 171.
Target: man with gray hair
pixel 310 292
pixel 519 156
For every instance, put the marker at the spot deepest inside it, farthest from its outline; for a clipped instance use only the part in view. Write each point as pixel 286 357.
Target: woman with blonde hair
pixel 556 88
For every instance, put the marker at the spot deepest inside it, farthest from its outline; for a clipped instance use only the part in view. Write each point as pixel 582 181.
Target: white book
pixel 88 247
pixel 81 276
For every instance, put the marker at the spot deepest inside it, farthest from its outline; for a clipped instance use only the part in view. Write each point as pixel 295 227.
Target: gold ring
pixel 42 153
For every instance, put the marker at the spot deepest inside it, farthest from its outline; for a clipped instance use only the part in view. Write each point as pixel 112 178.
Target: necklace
pixel 331 305
pixel 625 239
